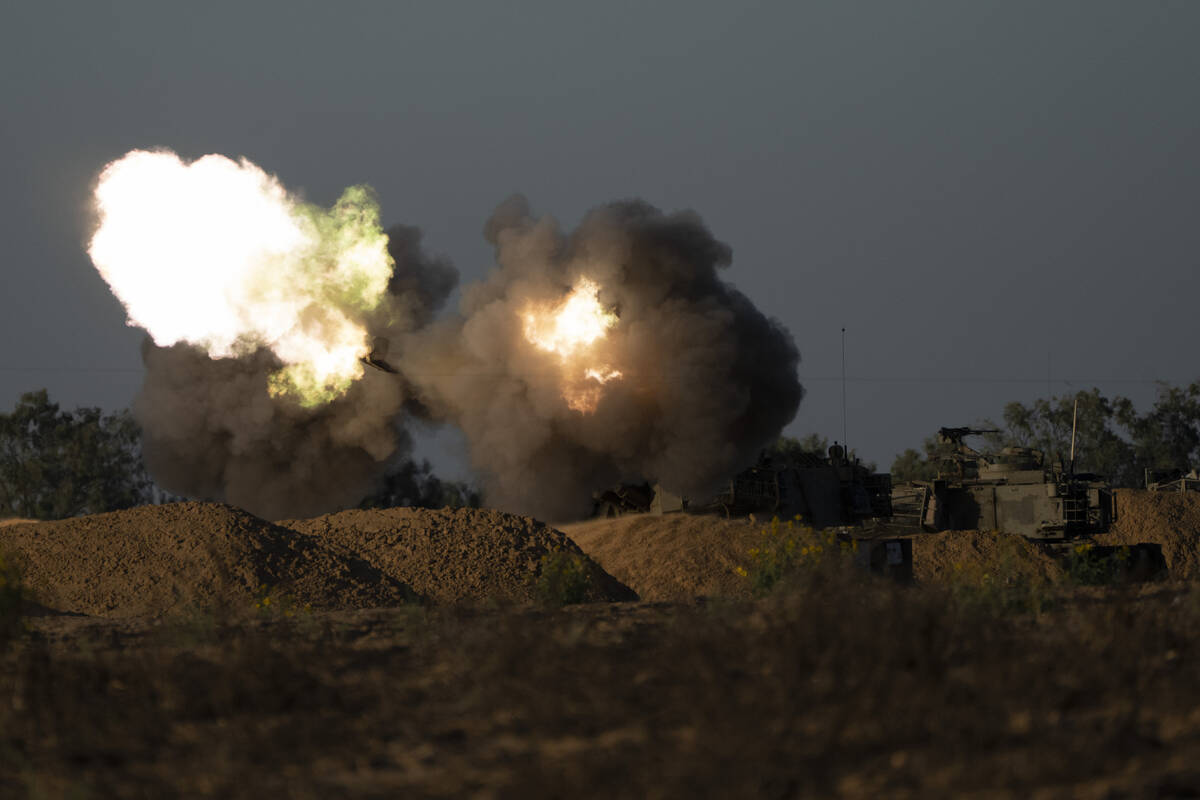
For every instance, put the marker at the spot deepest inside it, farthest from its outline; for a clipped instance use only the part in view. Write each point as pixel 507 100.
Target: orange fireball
pixel 571 329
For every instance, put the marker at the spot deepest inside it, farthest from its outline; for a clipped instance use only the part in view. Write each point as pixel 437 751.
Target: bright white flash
pixel 215 253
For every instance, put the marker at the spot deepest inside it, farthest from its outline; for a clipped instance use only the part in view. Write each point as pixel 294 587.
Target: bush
pixel 1000 588
pixel 1088 565
pixel 787 550
pixel 563 579
pixel 270 602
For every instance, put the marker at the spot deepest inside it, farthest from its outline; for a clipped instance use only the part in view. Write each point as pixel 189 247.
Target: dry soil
pixel 158 560
pixel 1169 519
pixel 457 555
pixel 671 557
pixel 938 557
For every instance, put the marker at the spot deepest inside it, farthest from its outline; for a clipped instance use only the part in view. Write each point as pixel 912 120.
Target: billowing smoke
pixel 615 352
pixel 259 308
pixel 212 428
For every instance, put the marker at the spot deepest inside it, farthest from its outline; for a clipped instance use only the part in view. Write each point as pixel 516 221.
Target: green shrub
pixel 563 579
pixel 787 550
pixel 1000 588
pixel 270 602
pixel 1089 566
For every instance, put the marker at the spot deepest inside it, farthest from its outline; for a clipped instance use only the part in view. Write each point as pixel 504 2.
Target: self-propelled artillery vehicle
pixel 823 491
pixel 1017 490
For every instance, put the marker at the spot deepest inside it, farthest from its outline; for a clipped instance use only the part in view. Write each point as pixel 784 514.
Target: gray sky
pixel 995 199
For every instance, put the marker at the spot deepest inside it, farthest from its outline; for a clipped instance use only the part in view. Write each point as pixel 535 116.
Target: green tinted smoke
pixel 300 382
pixel 350 259
pixel 346 272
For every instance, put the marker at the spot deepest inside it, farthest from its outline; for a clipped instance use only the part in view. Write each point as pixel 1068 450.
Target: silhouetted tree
pixel 56 463
pixel 1112 438
pixel 1168 437
pixel 912 465
pixel 412 483
pixel 1100 446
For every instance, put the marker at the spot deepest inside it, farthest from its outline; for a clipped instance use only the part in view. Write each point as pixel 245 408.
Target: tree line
pixel 56 463
pixel 1113 439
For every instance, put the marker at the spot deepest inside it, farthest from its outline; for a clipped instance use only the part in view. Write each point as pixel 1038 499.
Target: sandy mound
pixel 456 555
pixel 938 556
pixel 154 560
pixel 671 557
pixel 1166 518
pixel 15 521
pixel 681 556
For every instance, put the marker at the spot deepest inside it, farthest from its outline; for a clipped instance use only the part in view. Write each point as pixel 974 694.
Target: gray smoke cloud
pixel 706 379
pixel 211 430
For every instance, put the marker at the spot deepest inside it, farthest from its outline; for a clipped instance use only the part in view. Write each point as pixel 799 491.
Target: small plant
pixel 1000 588
pixel 788 549
pixel 13 597
pixel 563 578
pixel 1088 565
pixel 270 602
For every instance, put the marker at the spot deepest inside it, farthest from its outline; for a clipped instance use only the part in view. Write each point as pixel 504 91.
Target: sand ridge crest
pixel 156 560
pixel 453 555
pixel 674 556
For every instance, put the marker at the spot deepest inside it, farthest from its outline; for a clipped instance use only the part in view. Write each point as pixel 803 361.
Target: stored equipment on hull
pixel 1172 481
pixel 824 492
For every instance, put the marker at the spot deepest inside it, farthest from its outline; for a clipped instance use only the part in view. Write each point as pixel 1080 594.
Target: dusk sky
pixel 995 200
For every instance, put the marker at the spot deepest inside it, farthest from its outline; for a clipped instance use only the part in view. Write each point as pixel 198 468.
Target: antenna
pixel 1074 420
pixel 845 444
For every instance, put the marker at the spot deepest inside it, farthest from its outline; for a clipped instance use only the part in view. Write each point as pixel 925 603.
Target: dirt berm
pixel 1166 518
pixel 681 556
pixel 671 557
pixel 155 560
pixel 457 555
pixel 970 555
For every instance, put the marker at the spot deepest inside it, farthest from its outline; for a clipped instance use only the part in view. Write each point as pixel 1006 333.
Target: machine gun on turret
pixel 1013 490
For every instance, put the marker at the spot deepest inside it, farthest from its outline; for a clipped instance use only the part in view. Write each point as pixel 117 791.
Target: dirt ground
pixel 1169 519
pixel 180 557
pixel 671 557
pixel 680 557
pixel 843 688
pixel 157 560
pixel 939 557
pixel 455 555
pixel 400 678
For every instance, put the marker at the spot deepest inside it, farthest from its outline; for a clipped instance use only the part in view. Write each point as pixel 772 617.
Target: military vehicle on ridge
pixel 1018 491
pixel 1015 491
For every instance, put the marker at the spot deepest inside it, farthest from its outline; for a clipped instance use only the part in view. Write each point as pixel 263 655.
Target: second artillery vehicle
pixel 823 491
pixel 1015 490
